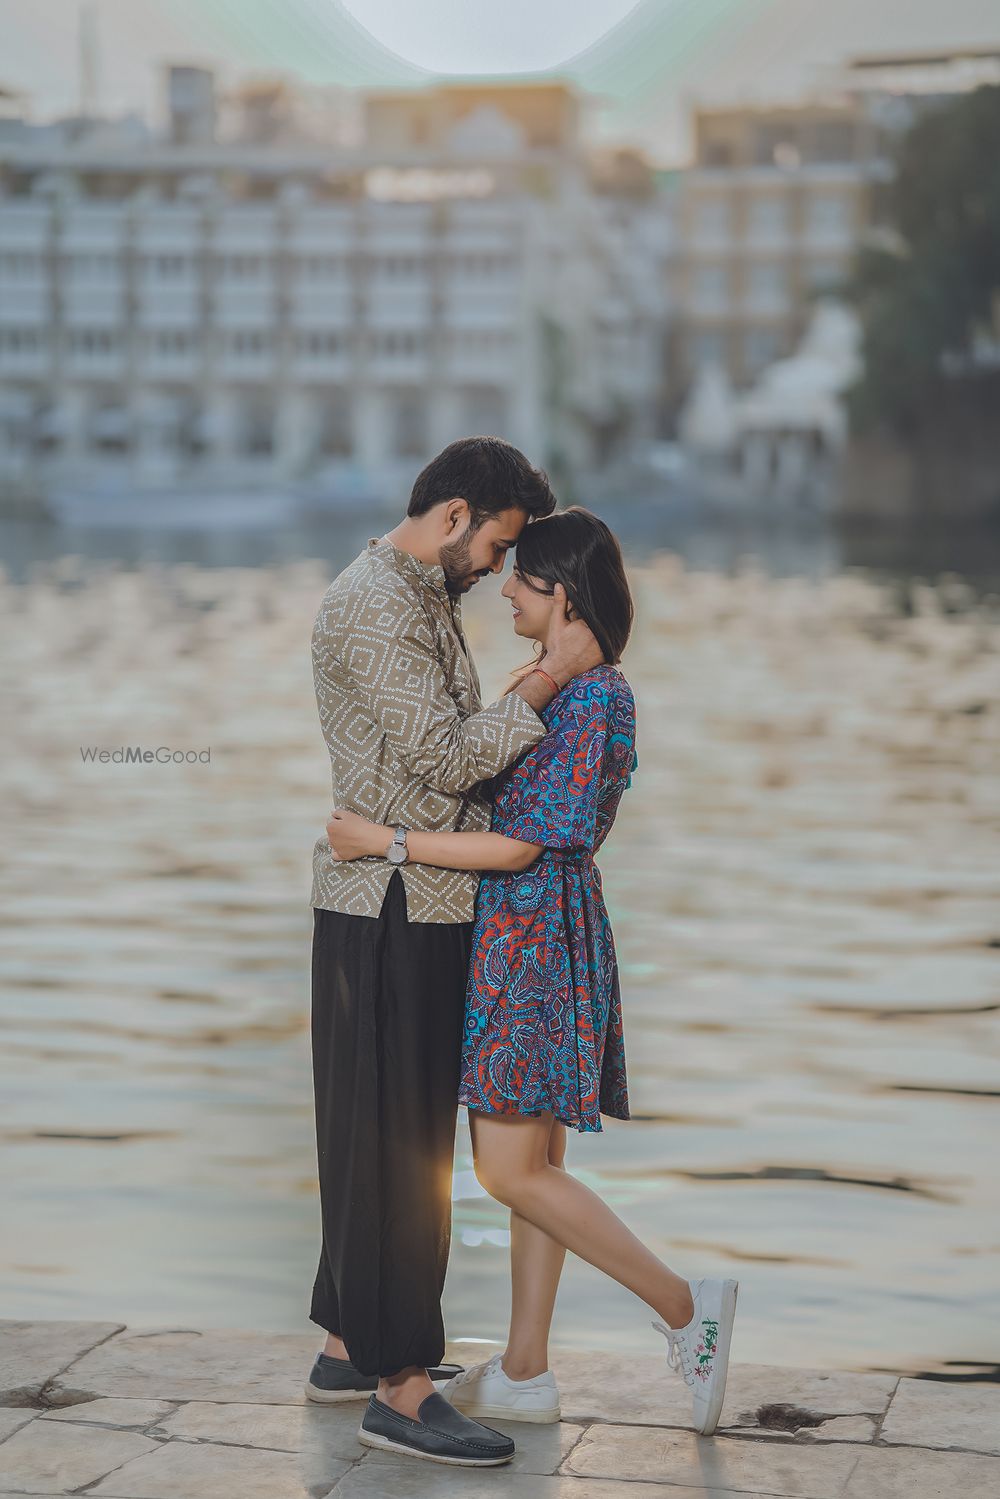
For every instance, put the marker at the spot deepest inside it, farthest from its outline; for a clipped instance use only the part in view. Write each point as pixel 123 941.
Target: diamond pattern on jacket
pixel 409 739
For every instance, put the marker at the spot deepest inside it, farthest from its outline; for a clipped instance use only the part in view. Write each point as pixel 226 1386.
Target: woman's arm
pixel 354 837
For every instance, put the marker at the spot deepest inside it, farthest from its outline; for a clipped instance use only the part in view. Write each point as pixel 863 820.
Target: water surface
pixel 802 881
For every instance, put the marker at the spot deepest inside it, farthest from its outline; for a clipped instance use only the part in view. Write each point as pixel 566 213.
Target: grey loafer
pixel 441 1434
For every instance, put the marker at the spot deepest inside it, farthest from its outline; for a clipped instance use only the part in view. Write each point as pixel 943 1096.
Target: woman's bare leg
pixel 536 1262
pixel 511 1157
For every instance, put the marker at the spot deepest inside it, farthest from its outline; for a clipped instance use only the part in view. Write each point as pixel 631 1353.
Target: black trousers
pixel 388 1001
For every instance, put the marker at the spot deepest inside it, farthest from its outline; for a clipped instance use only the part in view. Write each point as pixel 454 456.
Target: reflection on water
pixel 804 892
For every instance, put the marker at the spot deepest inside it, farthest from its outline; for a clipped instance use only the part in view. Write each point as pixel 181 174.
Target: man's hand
pixel 354 837
pixel 572 647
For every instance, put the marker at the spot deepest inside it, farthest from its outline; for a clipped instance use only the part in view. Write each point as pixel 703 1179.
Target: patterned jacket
pixel 409 740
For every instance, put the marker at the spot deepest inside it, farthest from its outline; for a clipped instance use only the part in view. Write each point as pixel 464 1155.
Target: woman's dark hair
pixel 489 474
pixel 575 548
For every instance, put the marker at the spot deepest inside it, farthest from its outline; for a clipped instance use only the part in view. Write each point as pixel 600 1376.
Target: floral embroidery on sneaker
pixel 699 1351
pixel 705 1350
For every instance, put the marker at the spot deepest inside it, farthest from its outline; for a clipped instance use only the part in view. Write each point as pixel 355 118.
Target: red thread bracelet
pixel 551 680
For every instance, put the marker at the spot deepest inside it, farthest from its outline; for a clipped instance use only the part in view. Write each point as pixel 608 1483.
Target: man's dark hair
pixel 489 474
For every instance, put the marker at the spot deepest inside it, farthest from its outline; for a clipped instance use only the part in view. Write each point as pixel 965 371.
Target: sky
pixel 657 58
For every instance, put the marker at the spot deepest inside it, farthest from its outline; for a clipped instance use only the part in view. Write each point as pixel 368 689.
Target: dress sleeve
pixel 551 796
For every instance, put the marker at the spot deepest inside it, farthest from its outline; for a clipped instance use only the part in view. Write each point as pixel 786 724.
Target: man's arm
pixel 399 676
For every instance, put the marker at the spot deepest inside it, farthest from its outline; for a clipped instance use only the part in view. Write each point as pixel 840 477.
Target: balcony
pixel 483 355
pixel 169 228
pixel 829 222
pixel 24 352
pixel 394 306
pixel 318 231
pixel 93 306
pixel 24 304
pixel 24 226
pixel 400 357
pixel 91 228
pixel 245 230
pixel 465 311
pixel 173 307
pixel 246 354
pixel 330 308
pixel 321 354
pixel 244 306
pixel 95 353
pixel 170 354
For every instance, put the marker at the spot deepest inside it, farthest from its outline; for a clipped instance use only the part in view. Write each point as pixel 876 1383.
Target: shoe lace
pixel 476 1370
pixel 678 1351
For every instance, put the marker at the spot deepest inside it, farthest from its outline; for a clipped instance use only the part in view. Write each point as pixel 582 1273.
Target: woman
pixel 542 1046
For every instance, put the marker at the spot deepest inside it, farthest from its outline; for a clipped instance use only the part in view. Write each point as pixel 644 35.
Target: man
pixel 410 742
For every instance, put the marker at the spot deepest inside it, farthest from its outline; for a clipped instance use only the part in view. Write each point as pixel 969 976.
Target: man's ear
pixel 456 511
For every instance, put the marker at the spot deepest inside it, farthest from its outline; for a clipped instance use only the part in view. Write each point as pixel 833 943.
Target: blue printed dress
pixel 543 1021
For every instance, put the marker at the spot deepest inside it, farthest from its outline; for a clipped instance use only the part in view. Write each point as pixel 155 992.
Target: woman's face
pixel 532 611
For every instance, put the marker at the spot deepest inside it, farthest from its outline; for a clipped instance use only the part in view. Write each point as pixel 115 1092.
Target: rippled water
pixel 803 884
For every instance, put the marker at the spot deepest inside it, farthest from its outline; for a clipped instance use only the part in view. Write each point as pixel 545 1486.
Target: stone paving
pixel 150 1413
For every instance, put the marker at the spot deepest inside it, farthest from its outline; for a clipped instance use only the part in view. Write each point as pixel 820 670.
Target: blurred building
pixel 266 304
pixel 768 216
pixel 778 199
pixel 896 88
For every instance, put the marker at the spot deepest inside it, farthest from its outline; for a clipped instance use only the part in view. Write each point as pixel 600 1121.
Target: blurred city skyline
pixel 644 75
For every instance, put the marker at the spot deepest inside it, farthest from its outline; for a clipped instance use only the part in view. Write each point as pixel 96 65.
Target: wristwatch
pixel 397 851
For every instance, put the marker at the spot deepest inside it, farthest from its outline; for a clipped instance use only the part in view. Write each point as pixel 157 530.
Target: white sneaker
pixel 485 1390
pixel 700 1351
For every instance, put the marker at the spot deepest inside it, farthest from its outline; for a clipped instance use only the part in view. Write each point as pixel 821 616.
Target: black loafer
pixel 441 1434
pixel 334 1379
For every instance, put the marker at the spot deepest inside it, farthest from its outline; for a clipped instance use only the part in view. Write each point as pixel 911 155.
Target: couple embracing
pixel 462 954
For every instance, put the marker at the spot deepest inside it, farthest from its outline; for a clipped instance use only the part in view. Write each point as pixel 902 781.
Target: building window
pixel 761 347
pixel 243 267
pixel 409 425
pixel 768 216
pixel 109 426
pixel 321 267
pixel 172 342
pixel 91 267
pixel 93 341
pixel 398 266
pixel 256 429
pixel 478 266
pixel 827 213
pixel 766 282
pixel 708 348
pixel 250 343
pixel 825 272
pixel 19 265
pixel 403 344
pixel 833 140
pixel 712 216
pixel 484 410
pixel 776 144
pixel 711 284
pixel 336 424
pixel 479 340
pixel 717 153
pixel 319 344
pixel 169 267
pixel 21 340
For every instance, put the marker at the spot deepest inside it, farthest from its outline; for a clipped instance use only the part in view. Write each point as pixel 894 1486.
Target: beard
pixel 456 559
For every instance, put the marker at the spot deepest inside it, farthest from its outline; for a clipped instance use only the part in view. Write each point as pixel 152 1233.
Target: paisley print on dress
pixel 543 1022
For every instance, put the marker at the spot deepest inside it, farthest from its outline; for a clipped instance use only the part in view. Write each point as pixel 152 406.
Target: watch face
pixel 397 854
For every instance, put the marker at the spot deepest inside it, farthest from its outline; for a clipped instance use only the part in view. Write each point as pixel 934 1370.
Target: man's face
pixel 473 554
